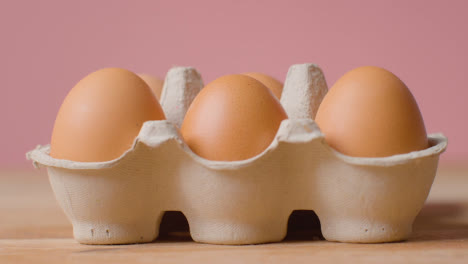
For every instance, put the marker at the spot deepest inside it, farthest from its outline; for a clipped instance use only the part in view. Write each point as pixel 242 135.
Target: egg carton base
pixel 228 233
pixel 363 231
pixel 115 233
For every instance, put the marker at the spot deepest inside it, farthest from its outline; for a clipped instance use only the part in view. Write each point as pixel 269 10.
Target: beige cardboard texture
pixel 366 200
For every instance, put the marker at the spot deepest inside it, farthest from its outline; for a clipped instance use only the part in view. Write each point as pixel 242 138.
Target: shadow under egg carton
pixel 364 200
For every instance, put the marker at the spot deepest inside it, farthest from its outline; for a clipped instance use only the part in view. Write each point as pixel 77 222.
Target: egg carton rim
pixel 290 132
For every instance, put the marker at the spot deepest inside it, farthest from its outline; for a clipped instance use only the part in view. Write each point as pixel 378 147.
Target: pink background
pixel 48 46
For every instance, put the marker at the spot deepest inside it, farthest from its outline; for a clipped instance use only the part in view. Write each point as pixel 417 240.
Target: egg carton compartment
pixel 365 200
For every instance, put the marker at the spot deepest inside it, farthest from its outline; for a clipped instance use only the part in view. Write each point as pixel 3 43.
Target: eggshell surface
pixel 235 117
pixel 271 83
pixel 369 112
pixel 154 83
pixel 101 116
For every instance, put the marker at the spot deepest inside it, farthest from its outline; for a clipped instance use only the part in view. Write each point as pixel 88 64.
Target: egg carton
pixel 365 200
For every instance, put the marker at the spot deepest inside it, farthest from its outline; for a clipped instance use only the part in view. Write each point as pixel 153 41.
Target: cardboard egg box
pixel 365 200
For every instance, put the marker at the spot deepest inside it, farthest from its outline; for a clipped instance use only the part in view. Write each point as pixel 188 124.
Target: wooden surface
pixel 34 229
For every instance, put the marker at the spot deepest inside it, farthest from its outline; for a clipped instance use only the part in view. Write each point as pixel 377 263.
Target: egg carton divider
pixel 363 200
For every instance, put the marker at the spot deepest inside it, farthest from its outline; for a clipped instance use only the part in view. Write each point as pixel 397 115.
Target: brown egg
pixel 235 117
pixel 101 116
pixel 154 83
pixel 369 112
pixel 274 85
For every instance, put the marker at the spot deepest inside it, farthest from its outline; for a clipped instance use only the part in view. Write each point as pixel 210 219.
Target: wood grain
pixel 34 229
